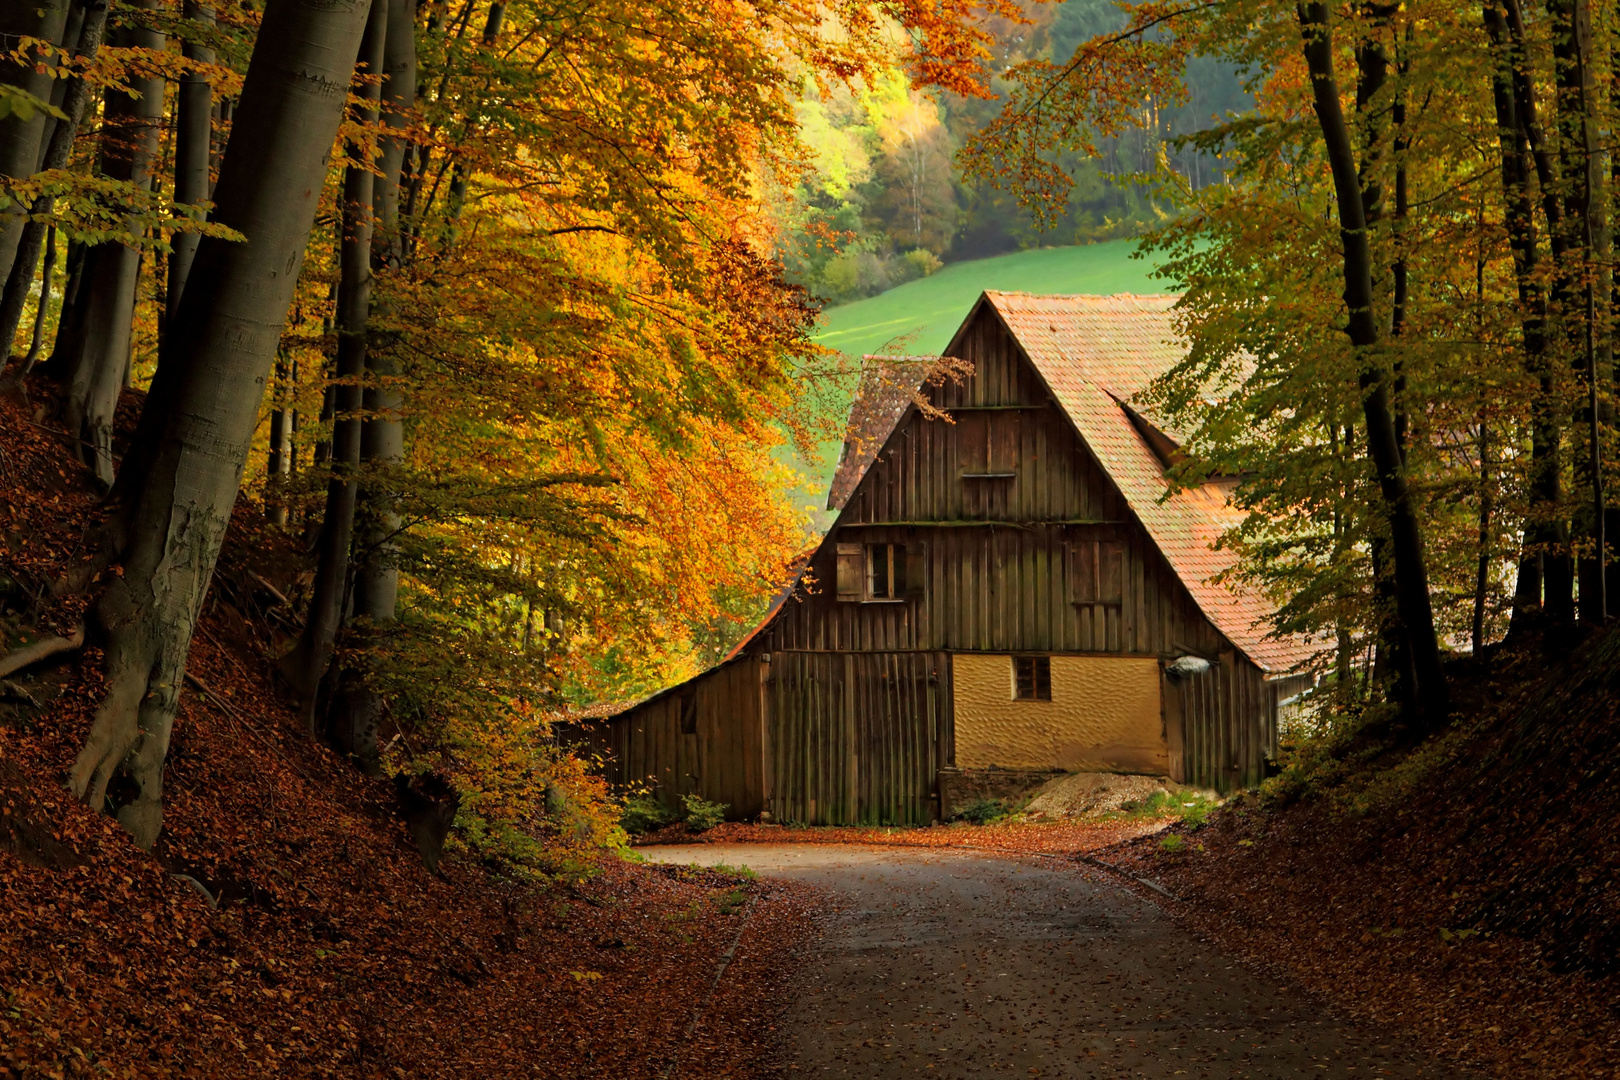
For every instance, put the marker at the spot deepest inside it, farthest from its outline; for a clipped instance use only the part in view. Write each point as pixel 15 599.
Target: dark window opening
pixel 885 571
pixel 1032 678
pixel 688 701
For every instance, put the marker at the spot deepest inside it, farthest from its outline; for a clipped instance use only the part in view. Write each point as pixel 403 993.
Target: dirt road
pixel 952 964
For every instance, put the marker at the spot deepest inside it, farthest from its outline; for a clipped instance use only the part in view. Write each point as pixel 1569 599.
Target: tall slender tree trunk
pixel 59 87
pixel 279 467
pixel 1547 532
pixel 306 665
pixel 193 148
pixel 43 311
pixel 1580 161
pixel 94 374
pixel 172 512
pixel 382 441
pixel 20 139
pixel 75 101
pixel 1406 541
pixel 1513 140
pixel 1482 569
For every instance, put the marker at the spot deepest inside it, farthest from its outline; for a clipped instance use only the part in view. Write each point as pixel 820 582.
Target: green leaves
pixel 15 101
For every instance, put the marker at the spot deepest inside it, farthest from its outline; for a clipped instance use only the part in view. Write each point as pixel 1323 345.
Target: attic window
pixel 1032 678
pixel 1097 572
pixel 880 572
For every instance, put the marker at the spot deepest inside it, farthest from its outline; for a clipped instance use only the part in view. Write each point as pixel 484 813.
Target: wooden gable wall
pixel 997 549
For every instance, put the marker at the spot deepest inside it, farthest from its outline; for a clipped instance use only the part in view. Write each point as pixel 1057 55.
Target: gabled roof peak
pixel 1096 354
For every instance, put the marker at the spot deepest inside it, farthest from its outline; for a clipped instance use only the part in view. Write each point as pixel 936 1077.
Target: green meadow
pixel 920 316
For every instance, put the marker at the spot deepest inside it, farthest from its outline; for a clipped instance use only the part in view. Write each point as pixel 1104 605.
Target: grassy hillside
pixel 920 316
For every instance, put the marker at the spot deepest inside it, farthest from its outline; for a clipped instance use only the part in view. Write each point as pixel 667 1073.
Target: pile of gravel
pixel 1078 794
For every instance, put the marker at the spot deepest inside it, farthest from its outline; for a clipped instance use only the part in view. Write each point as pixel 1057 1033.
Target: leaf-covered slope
pixel 1467 891
pixel 284 925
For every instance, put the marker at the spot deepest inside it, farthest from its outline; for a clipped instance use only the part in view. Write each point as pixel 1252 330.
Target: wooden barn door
pixel 1228 723
pixel 857 737
pixel 899 712
pixel 810 741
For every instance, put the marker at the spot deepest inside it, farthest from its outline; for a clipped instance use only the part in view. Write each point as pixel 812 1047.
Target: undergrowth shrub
pixel 702 815
pixel 1192 807
pixel 643 814
pixel 983 811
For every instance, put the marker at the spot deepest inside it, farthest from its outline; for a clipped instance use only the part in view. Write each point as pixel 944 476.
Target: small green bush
pixel 1192 807
pixel 644 814
pixel 1173 843
pixel 983 811
pixel 702 815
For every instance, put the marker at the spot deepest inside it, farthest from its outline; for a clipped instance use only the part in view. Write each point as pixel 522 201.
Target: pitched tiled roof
pixel 888 385
pixel 1095 352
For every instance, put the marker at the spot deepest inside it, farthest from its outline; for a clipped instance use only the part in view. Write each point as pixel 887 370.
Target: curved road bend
pixel 949 964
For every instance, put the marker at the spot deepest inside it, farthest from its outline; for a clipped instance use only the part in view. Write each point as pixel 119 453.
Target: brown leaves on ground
pixel 1010 839
pixel 1364 921
pixel 285 926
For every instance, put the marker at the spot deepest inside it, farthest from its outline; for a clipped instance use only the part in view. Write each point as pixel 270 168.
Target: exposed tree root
pixel 29 655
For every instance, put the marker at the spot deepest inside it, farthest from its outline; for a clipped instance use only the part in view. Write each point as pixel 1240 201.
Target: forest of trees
pixel 499 312
pixel 885 200
pixel 476 299
pixel 1401 304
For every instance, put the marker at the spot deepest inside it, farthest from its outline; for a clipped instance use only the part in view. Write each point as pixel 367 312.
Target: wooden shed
pixel 1006 590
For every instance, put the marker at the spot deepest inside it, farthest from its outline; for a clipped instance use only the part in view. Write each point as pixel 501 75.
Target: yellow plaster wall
pixel 1104 715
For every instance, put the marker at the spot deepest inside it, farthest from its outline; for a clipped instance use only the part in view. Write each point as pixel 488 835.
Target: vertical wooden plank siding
pixel 1228 724
pixel 872 723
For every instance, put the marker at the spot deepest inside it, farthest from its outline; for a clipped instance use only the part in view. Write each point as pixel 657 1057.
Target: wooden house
pixel 1006 590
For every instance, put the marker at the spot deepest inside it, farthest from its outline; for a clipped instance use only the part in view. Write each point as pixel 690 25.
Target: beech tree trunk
pixel 306 665
pixel 59 87
pixel 173 510
pixel 94 372
pixel 1514 127
pixel 1406 541
pixel 37 341
pixel 358 715
pixel 1547 532
pixel 193 147
pixel 398 99
pixel 279 466
pixel 20 139
pixel 1580 160
pixel 75 100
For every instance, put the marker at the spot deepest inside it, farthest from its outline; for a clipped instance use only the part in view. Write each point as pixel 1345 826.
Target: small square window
pixel 885 571
pixel 1032 678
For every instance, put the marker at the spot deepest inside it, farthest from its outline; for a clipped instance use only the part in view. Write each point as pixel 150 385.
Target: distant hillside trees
pixel 884 183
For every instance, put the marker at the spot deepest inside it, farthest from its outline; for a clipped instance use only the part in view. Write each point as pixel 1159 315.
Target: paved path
pixel 951 964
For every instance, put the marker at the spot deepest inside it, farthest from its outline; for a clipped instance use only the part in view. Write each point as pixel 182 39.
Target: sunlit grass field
pixel 920 316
